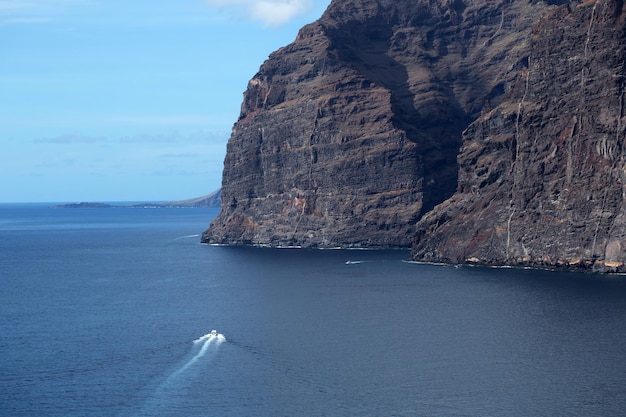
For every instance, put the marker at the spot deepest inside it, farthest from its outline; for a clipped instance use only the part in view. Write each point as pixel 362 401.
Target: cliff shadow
pixel 436 127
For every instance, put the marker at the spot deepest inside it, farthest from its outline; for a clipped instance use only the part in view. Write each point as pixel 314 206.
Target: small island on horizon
pixel 207 201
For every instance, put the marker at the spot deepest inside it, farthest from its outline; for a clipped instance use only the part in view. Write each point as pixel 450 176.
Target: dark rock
pixel 350 134
pixel 484 132
pixel 541 180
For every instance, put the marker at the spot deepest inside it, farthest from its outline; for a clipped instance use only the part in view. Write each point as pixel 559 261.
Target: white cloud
pixel 34 6
pixel 270 12
pixel 35 11
pixel 12 6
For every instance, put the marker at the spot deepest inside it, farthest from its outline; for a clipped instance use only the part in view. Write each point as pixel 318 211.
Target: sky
pixel 111 100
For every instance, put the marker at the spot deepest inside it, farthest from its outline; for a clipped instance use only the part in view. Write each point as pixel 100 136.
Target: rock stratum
pixel 481 131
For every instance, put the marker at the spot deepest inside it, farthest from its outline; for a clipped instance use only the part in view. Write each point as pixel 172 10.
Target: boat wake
pixel 205 342
pixel 171 392
pixel 186 237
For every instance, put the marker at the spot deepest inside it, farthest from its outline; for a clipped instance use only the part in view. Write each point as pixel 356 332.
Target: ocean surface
pixel 108 312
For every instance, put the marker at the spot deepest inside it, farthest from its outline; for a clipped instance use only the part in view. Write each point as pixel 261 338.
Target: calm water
pixel 100 309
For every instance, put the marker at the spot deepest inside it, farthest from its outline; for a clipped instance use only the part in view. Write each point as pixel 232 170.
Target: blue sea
pixel 108 312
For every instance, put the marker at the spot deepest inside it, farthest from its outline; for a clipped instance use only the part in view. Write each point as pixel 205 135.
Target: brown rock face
pixel 350 134
pixel 481 131
pixel 542 175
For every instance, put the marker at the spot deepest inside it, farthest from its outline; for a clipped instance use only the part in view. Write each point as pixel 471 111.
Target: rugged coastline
pixel 473 132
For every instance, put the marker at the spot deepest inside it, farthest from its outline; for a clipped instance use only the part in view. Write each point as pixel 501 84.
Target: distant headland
pixel 207 201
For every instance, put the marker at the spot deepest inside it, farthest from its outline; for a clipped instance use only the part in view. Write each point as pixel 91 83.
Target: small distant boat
pixel 209 337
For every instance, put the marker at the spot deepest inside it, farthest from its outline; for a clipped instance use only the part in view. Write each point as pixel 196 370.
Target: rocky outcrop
pixel 542 174
pixel 350 134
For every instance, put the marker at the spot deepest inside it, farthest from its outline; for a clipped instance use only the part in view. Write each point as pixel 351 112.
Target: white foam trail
pixel 201 353
pixel 176 384
pixel 202 338
pixel 187 237
pixel 206 341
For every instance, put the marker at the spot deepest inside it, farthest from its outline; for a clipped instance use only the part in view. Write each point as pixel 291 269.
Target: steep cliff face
pixel 542 175
pixel 350 134
pixel 479 131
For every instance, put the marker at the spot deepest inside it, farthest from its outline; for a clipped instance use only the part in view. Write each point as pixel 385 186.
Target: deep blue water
pixel 100 309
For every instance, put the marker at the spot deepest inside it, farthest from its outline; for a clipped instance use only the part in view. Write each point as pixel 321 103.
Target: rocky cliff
pixel 542 175
pixel 481 131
